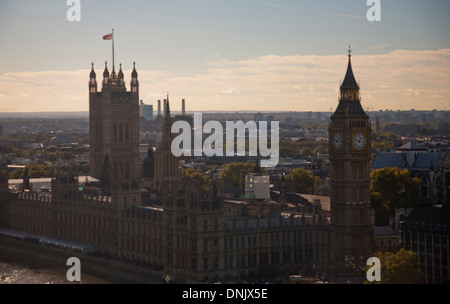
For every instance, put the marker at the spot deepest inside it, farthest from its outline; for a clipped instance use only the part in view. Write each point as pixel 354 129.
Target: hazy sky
pixel 257 55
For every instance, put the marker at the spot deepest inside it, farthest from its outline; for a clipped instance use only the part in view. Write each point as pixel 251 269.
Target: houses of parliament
pixel 193 234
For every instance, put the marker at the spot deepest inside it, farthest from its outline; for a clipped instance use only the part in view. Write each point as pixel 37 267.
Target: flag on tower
pixel 108 37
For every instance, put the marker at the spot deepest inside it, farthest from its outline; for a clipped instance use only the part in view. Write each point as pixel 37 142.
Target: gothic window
pixel 216 263
pixel 127 170
pixel 115 133
pixel 115 170
pixel 205 225
pixel 216 224
pixel 97 132
pixel 120 132
pixel 205 246
pixel 127 135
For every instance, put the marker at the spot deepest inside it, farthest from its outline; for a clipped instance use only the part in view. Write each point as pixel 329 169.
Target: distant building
pixel 408 156
pixel 62 139
pixel 431 166
pixel 426 231
pixel 386 239
pixel 403 129
pixel 444 128
pixel 146 111
pixel 258 117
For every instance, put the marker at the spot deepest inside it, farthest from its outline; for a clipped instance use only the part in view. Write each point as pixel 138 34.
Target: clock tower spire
pixel 350 155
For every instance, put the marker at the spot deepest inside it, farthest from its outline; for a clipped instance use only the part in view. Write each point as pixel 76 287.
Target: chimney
pixel 165 105
pixel 183 107
pixel 159 107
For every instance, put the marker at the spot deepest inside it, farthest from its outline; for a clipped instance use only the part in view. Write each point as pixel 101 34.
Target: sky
pixel 227 55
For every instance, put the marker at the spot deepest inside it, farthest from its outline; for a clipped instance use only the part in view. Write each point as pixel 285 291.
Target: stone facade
pixel 353 225
pixel 193 234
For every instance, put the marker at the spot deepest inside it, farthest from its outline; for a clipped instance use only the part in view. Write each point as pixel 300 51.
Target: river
pixel 13 273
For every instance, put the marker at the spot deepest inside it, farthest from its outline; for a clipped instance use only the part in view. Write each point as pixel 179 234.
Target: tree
pixel 303 181
pixel 64 155
pixel 401 267
pixel 34 171
pixel 201 179
pixel 392 188
pixel 306 152
pixel 234 173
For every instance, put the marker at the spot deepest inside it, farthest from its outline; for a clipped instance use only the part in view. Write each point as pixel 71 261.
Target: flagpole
pixel 113 47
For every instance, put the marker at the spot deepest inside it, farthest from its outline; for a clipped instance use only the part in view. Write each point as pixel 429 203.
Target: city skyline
pixel 252 56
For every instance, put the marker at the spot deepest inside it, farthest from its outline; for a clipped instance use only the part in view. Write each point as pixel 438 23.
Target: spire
pixel 350 98
pixel 167 109
pixel 134 73
pixel 120 74
pixel 113 73
pixel 349 80
pixel 93 75
pixel 167 125
pixel 106 72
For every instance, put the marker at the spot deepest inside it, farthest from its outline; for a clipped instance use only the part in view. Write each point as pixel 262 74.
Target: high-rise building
pixel 352 225
pixel 148 112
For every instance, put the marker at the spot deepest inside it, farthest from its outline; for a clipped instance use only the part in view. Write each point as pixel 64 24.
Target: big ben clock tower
pixel 352 240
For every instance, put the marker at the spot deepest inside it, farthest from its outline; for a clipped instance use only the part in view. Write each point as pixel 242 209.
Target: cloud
pixel 412 92
pixel 397 79
pixel 231 91
pixel 339 14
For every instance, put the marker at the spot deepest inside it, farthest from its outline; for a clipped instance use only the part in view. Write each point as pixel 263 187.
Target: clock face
pixel 359 141
pixel 337 141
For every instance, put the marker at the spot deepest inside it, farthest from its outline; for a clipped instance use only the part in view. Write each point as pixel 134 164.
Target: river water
pixel 12 273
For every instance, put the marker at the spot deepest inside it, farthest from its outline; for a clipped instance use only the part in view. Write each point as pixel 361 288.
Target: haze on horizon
pixel 252 55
